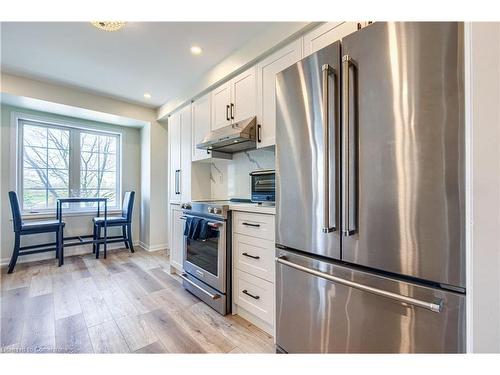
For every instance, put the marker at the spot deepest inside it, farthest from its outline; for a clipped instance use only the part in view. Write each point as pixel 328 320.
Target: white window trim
pixel 16 158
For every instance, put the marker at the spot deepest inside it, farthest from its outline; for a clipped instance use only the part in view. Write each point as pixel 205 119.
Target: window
pixel 60 161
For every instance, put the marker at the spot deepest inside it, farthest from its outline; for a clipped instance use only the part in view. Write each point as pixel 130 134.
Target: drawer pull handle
pixel 249 294
pixel 251 225
pixel 251 256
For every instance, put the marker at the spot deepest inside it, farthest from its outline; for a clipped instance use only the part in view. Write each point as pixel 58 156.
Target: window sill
pixel 52 215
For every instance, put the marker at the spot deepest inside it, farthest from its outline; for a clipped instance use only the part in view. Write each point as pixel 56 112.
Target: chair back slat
pixel 128 205
pixel 16 211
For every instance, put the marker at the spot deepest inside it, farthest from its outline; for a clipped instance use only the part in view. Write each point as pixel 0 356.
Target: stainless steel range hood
pixel 232 138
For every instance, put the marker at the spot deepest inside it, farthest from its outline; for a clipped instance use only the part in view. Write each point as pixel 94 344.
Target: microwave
pixel 263 186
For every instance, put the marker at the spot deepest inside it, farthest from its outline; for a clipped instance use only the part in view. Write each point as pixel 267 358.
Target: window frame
pixel 74 128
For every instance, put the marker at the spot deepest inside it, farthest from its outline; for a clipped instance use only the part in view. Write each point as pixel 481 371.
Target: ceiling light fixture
pixel 108 25
pixel 196 50
pixel 147 95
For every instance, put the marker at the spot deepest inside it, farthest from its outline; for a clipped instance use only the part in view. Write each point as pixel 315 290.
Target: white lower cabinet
pixel 176 237
pixel 254 295
pixel 253 268
pixel 254 256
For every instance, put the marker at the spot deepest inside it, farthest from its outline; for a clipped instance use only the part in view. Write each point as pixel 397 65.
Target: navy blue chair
pixel 124 221
pixel 22 228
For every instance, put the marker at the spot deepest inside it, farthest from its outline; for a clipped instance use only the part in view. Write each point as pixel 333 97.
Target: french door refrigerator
pixel 370 194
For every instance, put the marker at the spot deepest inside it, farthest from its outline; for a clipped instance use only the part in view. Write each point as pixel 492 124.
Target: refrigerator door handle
pixel 347 230
pixel 327 70
pixel 432 306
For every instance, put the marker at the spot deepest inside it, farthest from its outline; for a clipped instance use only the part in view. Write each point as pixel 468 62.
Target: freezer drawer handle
pixel 244 291
pixel 213 296
pixel 435 307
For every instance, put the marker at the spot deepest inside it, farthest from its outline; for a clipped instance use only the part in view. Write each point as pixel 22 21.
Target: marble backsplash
pixel 230 178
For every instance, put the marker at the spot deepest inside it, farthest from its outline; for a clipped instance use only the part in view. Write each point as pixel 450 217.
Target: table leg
pixel 105 227
pixel 61 245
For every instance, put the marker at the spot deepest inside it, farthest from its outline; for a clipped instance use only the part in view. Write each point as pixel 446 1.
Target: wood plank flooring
pixel 127 303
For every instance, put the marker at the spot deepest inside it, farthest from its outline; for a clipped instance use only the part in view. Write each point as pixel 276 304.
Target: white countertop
pixel 253 207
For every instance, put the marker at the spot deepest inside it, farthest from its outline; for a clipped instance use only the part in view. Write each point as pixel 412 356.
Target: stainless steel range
pixel 207 258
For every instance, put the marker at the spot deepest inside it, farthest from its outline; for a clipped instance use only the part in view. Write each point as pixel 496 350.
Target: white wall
pixel 153 234
pixel 131 180
pixel 158 193
pixel 145 186
pixel 482 51
pixel 241 59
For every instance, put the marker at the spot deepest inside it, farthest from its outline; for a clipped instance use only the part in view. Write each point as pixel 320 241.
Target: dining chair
pixel 22 228
pixel 124 221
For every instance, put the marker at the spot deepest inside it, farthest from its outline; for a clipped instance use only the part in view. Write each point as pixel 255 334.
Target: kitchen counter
pixel 252 207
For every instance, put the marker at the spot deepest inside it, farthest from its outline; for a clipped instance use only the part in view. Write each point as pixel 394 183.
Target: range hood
pixel 233 138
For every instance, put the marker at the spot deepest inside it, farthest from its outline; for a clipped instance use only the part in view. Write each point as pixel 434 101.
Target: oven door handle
pixel 212 296
pixel 212 222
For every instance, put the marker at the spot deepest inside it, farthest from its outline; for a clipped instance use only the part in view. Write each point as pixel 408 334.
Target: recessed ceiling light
pixel 108 25
pixel 147 95
pixel 196 50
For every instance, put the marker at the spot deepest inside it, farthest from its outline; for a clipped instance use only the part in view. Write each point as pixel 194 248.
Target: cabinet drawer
pixel 255 225
pixel 254 255
pixel 254 295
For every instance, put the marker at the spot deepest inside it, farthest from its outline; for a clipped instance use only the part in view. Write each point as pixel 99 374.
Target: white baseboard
pixel 68 251
pixel 153 248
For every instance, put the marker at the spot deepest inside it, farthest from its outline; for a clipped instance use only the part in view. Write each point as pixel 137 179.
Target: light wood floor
pixel 125 303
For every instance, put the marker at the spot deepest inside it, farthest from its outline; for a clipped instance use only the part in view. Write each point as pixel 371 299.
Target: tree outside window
pixel 62 161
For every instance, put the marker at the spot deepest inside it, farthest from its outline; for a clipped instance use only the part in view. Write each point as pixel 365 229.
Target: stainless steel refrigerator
pixel 370 194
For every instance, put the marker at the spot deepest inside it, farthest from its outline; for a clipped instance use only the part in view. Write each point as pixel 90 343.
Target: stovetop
pixel 224 202
pixel 212 207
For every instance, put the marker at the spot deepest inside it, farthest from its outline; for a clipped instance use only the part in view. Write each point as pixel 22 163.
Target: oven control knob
pixel 217 211
pixel 186 206
pixel 211 210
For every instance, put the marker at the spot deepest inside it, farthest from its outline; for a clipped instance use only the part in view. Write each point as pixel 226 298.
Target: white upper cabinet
pixel 234 100
pixel 186 148
pixel 243 95
pixel 174 150
pixel 326 34
pixel 221 105
pixel 266 88
pixel 201 112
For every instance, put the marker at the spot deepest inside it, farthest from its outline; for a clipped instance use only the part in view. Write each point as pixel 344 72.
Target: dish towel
pixel 192 227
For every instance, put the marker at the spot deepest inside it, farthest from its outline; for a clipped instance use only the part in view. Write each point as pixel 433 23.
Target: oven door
pixel 206 260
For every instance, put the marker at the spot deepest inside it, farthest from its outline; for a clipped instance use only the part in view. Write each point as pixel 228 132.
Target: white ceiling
pixel 142 57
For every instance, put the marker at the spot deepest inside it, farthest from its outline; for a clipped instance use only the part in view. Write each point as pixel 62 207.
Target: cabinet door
pixel 266 89
pixel 185 153
pixel 201 125
pixel 221 98
pixel 177 237
pixel 243 95
pixel 174 156
pixel 326 34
